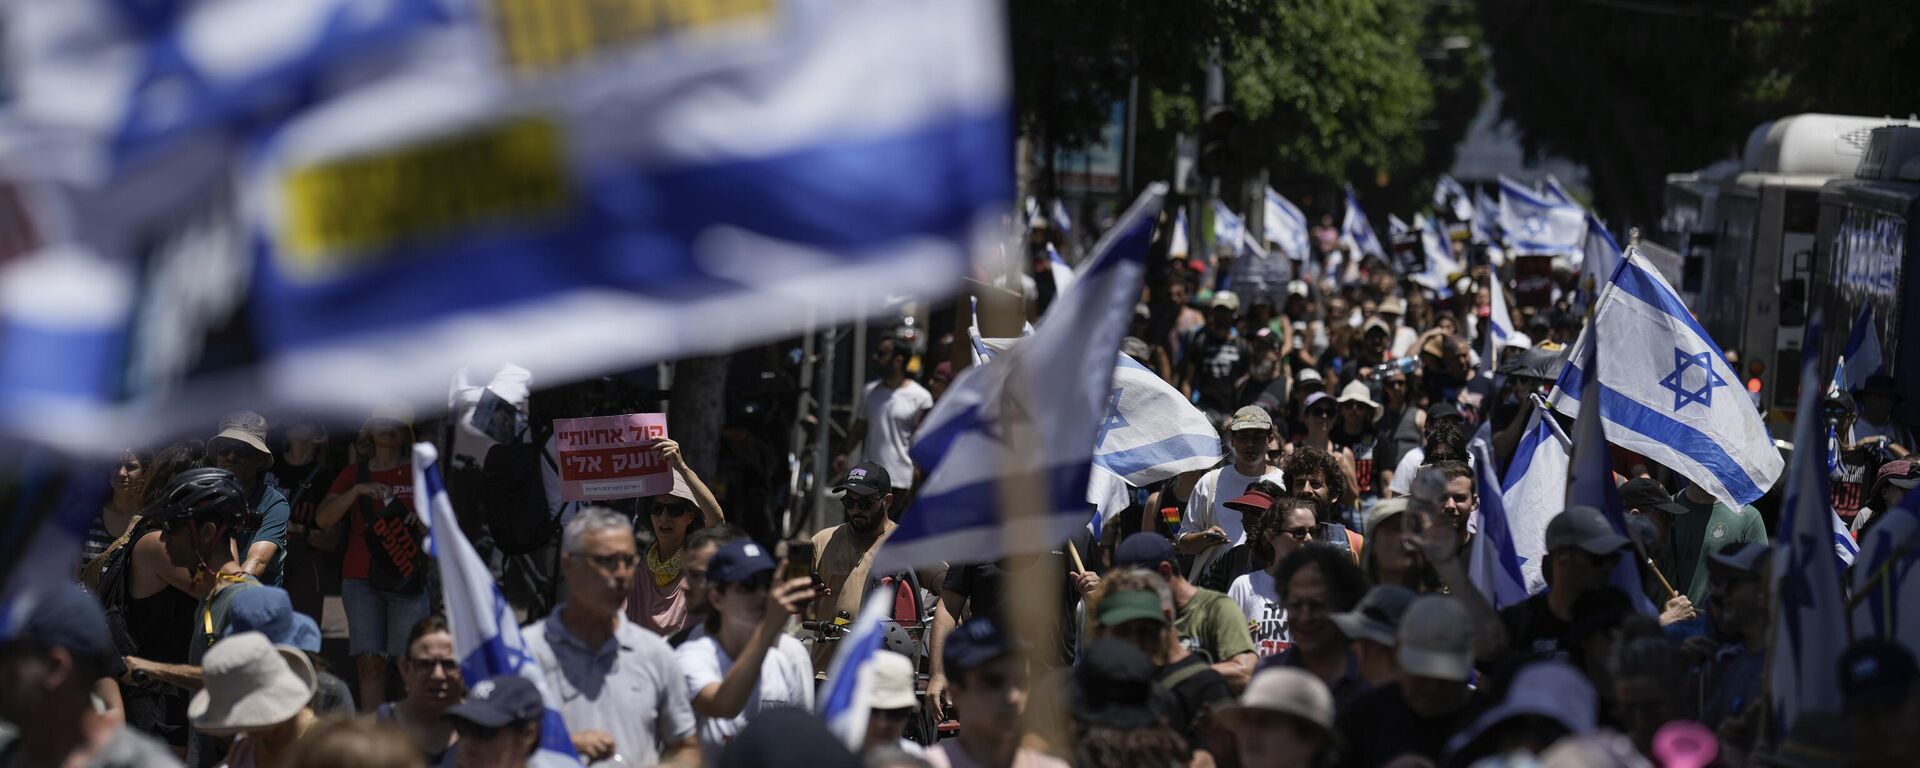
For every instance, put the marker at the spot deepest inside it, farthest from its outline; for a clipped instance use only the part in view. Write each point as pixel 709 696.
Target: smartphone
pixel 799 560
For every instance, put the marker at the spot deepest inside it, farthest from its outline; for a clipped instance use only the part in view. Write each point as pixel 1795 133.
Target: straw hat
pixel 250 684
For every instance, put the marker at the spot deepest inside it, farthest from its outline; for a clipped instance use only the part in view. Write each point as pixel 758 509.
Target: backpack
pixel 396 555
pixel 513 500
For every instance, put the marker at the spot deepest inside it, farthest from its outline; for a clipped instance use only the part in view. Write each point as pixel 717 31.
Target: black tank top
pixel 162 624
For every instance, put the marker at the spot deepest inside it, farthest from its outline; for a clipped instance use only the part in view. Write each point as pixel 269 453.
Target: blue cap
pixel 500 700
pixel 737 561
pixel 269 611
pixel 1145 549
pixel 977 642
pixel 65 616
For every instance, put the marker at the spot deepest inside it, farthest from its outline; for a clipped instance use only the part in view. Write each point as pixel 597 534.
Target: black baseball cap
pixel 1443 410
pixel 737 561
pixel 1646 493
pixel 1114 687
pixel 500 700
pixel 1145 549
pixel 65 616
pixel 1876 675
pixel 863 480
pixel 977 642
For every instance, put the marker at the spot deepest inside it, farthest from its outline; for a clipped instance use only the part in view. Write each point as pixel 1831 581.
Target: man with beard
pixel 842 554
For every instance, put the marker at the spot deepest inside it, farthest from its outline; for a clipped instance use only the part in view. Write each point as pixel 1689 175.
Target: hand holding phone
pixel 799 560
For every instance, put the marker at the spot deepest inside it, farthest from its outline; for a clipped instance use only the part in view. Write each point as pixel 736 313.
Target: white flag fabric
pixel 1062 271
pixel 1449 196
pixel 1357 234
pixel 322 204
pixel 1493 562
pixel 1534 490
pixel 1538 226
pixel 1229 230
pixel 1036 411
pixel 1552 190
pixel 1286 226
pixel 1177 242
pixel 1499 319
pixel 1058 215
pixel 1486 218
pixel 1441 265
pixel 1396 228
pixel 486 635
pixel 1151 432
pixel 1600 253
pixel 1667 392
pixel 1809 618
pixel 843 701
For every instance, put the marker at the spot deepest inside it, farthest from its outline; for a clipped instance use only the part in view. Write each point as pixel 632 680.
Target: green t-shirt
pixel 1702 531
pixel 1210 623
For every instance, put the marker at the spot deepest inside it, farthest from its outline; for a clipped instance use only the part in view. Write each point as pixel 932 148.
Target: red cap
pixel 1254 501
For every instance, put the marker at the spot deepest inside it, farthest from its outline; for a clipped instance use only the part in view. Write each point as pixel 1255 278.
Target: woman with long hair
pixel 659 599
pixel 384 595
pixel 123 505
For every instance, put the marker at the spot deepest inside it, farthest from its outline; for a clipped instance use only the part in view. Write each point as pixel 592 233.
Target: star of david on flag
pixel 1676 381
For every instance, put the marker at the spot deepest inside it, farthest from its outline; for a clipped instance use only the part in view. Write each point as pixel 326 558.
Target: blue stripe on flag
pixel 1143 457
pixel 978 505
pixel 1691 442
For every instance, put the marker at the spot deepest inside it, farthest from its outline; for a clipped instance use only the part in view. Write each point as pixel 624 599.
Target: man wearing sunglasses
pixel 842 554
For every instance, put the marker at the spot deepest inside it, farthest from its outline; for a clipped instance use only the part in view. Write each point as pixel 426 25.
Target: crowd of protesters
pixel 259 597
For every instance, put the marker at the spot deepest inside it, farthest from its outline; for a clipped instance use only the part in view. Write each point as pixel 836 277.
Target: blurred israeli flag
pixel 50 504
pixel 1035 412
pixel 1539 226
pixel 1061 270
pixel 1809 616
pixel 1553 191
pixel 336 202
pixel 1356 233
pixel 1449 196
pixel 1177 241
pixel 1667 393
pixel 1441 265
pixel 486 636
pixel 1862 356
pixel 1396 228
pixel 1485 225
pixel 1600 253
pixel 1058 215
pixel 1285 225
pixel 843 702
pixel 1499 319
pixel 1590 484
pixel 1493 564
pixel 1229 230
pixel 1534 490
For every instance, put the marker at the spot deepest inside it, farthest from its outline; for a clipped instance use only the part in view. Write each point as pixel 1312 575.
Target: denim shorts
pixel 378 622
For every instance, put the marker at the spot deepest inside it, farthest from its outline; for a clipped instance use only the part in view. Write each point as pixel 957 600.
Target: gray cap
pixel 1377 617
pixel 1436 639
pixel 1250 417
pixel 1586 528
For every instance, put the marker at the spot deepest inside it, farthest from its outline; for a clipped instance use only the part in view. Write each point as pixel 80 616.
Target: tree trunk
pixel 698 409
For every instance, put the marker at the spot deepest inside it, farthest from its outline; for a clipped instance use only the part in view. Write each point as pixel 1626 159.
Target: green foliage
pixel 1839 56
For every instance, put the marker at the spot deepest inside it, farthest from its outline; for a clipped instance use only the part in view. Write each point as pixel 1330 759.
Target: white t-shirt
pixel 1403 472
pixel 892 415
pixel 1260 602
pixel 786 680
pixel 1208 507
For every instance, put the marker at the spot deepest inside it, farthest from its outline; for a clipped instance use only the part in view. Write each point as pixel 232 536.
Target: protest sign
pixel 611 457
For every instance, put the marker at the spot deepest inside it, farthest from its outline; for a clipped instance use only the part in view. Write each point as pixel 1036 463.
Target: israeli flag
pixel 1862 356
pixel 1058 215
pixel 1229 230
pixel 1152 433
pixel 486 636
pixel 1485 224
pixel 380 193
pixel 1553 191
pixel 1441 265
pixel 1356 233
pixel 1396 228
pixel 1061 270
pixel 1535 489
pixel 1539 226
pixel 1886 575
pixel 1493 564
pixel 1668 393
pixel 1590 484
pixel 843 703
pixel 1286 226
pixel 1036 412
pixel 1177 242
pixel 1499 320
pixel 1809 618
pixel 1449 196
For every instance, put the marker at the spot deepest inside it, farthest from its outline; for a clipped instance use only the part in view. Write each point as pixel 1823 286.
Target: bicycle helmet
pixel 208 491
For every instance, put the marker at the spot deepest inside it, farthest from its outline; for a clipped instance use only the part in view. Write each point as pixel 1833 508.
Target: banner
pixel 611 457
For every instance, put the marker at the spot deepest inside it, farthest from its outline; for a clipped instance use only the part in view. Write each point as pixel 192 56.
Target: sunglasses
pixel 1299 534
pixel 850 502
pixel 448 666
pixel 671 510
pixel 1324 413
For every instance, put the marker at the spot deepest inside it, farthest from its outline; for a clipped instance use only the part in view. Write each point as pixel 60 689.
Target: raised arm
pixel 710 512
